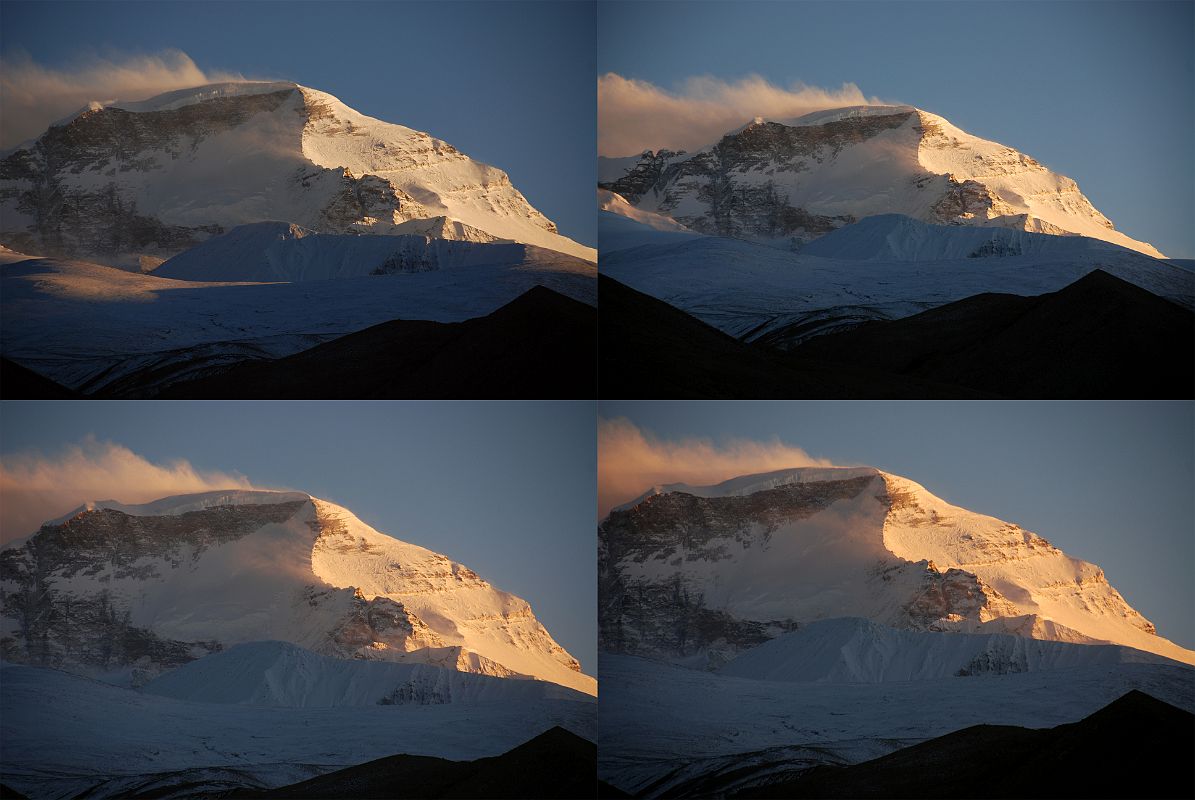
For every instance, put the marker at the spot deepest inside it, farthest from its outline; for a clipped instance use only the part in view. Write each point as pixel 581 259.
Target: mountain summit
pixel 791 181
pixel 127 592
pixel 132 183
pixel 697 574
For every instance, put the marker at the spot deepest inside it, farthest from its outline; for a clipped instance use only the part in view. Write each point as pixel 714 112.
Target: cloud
pixel 635 115
pixel 34 96
pixel 631 461
pixel 35 488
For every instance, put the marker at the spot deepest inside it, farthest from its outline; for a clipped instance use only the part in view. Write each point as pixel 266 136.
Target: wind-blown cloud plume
pixel 631 461
pixel 635 115
pixel 35 487
pixel 33 96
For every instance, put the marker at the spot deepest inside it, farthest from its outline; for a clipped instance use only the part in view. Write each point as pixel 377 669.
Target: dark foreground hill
pixel 555 764
pixel 649 349
pixel 540 345
pixel 1098 338
pixel 1135 747
pixel 20 383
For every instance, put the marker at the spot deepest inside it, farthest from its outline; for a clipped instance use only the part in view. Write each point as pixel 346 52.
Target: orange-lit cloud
pixel 631 461
pixel 33 96
pixel 35 488
pixel 635 115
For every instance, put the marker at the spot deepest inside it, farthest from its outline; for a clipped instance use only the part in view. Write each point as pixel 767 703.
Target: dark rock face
pixel 644 176
pixel 70 197
pixel 667 616
pixel 754 208
pixel 109 143
pixel 57 627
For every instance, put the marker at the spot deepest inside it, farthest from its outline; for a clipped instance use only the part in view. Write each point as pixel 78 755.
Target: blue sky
pixel 1103 92
pixel 1107 482
pixel 506 488
pixel 510 84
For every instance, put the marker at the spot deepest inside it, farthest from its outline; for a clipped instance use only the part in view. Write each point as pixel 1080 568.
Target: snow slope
pixel 894 237
pixel 280 251
pixel 86 325
pixel 751 291
pixel 280 674
pixel 853 650
pixel 786 183
pixel 697 575
pixel 155 177
pixel 135 591
pixel 661 725
pixel 64 734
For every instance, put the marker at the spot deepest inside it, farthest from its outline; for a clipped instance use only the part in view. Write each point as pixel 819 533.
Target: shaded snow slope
pixel 129 596
pixel 280 251
pixel 786 183
pixel 661 726
pixel 86 325
pixel 698 575
pixel 854 650
pixel 609 201
pixel 123 738
pixel 751 291
pixel 156 177
pixel 894 237
pixel 283 674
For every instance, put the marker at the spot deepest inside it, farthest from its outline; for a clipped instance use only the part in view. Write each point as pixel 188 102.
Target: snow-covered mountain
pixel 788 182
pixel 128 592
pixel 131 183
pixel 698 574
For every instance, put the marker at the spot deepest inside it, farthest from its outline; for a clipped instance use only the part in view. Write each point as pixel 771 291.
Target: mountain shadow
pixel 1135 747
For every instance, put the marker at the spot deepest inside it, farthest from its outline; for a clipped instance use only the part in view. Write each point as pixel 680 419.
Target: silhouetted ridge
pixel 21 383
pixel 1099 337
pixel 541 344
pixel 1135 747
pixel 555 764
pixel 651 349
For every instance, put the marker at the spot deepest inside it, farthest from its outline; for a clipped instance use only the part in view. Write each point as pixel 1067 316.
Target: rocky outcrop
pixel 54 624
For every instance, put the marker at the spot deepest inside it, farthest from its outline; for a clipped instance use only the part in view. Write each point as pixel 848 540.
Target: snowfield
pixel 85 325
pixel 662 725
pixel 64 735
pixel 887 267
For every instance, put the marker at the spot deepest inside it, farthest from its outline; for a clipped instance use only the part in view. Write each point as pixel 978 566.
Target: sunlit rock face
pixel 135 591
pixel 786 183
pixel 121 183
pixel 696 575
